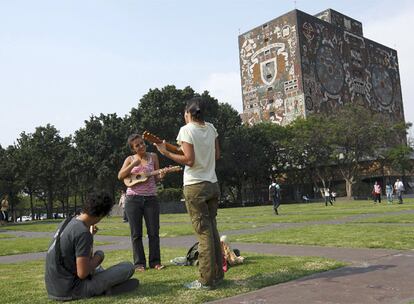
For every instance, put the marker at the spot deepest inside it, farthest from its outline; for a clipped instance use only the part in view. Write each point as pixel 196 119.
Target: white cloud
pixel 226 87
pixel 393 31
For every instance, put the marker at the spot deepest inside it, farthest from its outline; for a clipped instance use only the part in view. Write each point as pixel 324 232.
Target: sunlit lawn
pixel 24 282
pixel 19 245
pixel 344 235
pixel 238 218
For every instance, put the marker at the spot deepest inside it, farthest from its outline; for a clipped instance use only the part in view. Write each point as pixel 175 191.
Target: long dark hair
pixel 195 106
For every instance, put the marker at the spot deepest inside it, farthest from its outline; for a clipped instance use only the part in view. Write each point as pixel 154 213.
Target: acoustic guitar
pixel 156 140
pixel 141 177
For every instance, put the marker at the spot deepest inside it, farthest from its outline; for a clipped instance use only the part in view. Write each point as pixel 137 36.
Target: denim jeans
pixel 201 201
pixel 136 208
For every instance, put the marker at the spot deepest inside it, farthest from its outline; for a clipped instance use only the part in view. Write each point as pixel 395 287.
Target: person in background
pixel 327 195
pixel 4 211
pixel 200 146
pixel 274 195
pixel 121 204
pixel 399 189
pixel 141 203
pixel 389 189
pixel 70 262
pixel 376 192
pixel 333 195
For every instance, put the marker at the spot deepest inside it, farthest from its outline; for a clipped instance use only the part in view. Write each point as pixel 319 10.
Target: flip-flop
pixel 159 267
pixel 140 268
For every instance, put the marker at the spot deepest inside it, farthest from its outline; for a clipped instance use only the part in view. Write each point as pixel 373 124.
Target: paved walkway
pixel 373 276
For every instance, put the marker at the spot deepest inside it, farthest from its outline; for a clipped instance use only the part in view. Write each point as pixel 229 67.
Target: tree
pixel 101 147
pixel 28 167
pixel 311 150
pixel 9 181
pixel 357 137
pixel 49 152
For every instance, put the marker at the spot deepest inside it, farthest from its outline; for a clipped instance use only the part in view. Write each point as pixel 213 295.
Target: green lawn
pixel 24 282
pixel 237 218
pixel 344 235
pixel 19 245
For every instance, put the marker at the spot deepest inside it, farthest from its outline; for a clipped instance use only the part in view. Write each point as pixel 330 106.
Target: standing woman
pixel 199 143
pixel 141 202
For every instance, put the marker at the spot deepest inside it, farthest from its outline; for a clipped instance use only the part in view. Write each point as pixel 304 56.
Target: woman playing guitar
pixel 141 202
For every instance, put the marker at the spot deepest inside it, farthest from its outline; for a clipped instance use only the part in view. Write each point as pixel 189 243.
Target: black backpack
pixel 192 255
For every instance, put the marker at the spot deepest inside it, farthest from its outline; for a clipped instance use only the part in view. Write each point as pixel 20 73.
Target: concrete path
pixel 373 276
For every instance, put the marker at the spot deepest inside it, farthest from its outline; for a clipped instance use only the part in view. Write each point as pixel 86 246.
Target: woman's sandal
pixel 140 268
pixel 159 267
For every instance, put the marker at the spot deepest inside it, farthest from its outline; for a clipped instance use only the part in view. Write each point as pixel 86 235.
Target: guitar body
pixel 134 179
pixel 141 177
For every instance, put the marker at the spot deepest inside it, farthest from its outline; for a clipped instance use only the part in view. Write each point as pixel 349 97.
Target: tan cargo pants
pixel 201 201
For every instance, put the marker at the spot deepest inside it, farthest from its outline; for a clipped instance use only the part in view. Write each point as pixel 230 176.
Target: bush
pixel 170 194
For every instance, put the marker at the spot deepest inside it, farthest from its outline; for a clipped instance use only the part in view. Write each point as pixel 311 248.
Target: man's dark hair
pixel 98 204
pixel 196 107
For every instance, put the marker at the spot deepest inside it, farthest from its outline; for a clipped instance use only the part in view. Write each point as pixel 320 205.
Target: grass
pixel 345 235
pixel 237 218
pixel 24 282
pixel 6 236
pixel 390 219
pixel 20 245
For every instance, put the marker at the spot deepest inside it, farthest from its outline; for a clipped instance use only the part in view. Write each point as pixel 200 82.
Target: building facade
pixel 299 64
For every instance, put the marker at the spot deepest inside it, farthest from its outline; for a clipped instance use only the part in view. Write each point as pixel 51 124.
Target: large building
pixel 299 64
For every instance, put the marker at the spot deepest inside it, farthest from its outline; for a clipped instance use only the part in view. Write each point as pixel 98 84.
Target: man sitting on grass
pixel 71 268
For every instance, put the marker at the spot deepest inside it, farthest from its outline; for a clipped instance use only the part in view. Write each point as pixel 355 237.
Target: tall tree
pixel 358 136
pixel 101 145
pixel 49 151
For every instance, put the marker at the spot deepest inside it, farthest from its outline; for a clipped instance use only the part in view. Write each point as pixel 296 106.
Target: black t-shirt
pixel 75 241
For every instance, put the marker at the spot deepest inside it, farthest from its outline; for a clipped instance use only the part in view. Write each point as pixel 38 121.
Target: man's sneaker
pixel 127 286
pixel 197 286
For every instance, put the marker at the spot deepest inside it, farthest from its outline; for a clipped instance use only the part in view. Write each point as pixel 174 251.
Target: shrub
pixel 170 194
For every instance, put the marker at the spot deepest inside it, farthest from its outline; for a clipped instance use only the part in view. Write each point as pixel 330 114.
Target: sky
pixel 63 61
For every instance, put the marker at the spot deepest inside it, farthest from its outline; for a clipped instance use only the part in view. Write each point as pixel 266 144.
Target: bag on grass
pixel 192 255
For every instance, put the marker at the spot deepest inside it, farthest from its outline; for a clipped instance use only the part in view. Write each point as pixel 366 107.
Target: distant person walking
pixel 274 195
pixel 376 192
pixel 333 195
pixel 4 214
pixel 399 189
pixel 121 204
pixel 389 189
pixel 327 195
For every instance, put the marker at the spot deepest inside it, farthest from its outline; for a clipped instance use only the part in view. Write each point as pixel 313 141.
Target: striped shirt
pixel 147 188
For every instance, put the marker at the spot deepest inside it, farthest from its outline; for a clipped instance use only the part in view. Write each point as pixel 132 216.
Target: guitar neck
pixel 154 139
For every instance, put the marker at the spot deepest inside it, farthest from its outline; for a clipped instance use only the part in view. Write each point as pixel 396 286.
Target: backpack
pixel 192 255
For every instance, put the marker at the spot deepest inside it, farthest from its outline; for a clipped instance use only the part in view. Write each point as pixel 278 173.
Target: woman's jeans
pixel 147 207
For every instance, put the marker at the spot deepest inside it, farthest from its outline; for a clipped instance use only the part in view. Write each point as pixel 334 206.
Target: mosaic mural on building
pixel 299 64
pixel 270 72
